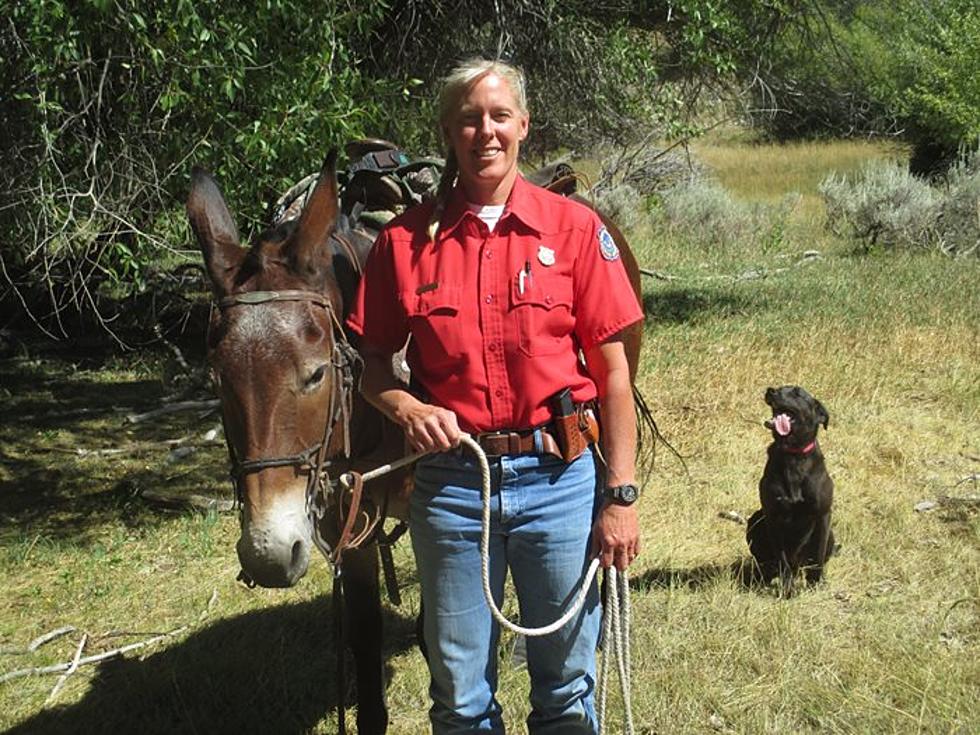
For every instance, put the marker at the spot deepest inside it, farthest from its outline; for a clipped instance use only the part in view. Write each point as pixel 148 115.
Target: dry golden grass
pixel 889 643
pixel 767 171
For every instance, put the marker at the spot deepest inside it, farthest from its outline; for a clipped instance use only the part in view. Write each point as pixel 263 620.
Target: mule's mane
pixel 265 252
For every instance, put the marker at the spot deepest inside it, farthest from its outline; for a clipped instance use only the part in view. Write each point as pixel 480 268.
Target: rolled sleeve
pixel 605 302
pixel 377 315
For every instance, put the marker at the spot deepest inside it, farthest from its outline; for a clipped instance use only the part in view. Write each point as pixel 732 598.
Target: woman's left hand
pixel 616 535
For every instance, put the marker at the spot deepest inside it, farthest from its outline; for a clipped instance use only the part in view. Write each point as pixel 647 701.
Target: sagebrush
pixel 885 206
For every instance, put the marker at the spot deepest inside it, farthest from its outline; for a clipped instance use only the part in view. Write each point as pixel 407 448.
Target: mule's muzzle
pixel 274 551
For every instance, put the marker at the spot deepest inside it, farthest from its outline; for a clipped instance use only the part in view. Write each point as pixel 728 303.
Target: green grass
pixel 888 644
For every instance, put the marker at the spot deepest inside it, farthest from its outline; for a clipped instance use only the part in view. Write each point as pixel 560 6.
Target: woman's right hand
pixel 430 428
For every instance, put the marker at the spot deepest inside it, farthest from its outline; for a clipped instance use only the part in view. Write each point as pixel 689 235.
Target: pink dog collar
pixel 800 450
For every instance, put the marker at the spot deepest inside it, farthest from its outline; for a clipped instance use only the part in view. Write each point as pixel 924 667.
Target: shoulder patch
pixel 607 246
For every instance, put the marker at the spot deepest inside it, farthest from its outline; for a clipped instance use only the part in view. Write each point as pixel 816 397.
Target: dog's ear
pixel 822 416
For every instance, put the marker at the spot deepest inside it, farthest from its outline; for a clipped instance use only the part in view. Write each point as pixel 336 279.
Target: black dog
pixel 792 530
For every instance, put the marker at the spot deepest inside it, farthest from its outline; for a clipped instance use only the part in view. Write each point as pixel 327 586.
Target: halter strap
pixel 252 298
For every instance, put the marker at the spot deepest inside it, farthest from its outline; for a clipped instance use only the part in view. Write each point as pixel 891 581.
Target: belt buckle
pixel 489 435
pixel 511 441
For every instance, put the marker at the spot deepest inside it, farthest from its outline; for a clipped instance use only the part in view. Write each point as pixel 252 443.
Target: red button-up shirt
pixel 497 319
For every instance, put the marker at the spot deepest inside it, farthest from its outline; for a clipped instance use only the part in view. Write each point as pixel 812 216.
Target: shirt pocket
pixel 433 319
pixel 543 312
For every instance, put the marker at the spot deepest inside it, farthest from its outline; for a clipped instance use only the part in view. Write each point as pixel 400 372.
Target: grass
pixel 767 171
pixel 888 644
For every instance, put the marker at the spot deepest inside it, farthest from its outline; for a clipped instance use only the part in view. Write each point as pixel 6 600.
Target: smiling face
pixel 485 131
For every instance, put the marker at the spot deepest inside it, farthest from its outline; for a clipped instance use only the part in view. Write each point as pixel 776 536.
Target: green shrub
pixel 105 106
pixel 705 214
pixel 885 206
pixel 959 214
pixel 622 204
pixel 879 67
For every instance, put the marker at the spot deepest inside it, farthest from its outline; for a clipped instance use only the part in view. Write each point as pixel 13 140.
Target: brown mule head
pixel 274 365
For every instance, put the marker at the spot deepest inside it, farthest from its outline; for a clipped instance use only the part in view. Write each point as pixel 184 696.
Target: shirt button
pixel 499 393
pixel 489 298
pixel 489 254
pixel 547 299
pixel 493 347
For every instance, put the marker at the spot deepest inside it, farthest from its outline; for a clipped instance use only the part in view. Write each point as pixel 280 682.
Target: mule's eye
pixel 316 377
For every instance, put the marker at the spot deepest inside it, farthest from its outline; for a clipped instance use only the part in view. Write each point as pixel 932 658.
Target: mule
pixel 286 377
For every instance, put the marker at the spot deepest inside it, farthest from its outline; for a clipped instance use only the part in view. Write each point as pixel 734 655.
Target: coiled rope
pixel 616 623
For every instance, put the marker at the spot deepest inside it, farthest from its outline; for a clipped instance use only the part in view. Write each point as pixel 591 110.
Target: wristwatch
pixel 623 494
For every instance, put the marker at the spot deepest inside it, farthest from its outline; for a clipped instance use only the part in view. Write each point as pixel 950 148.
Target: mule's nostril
pixel 297 555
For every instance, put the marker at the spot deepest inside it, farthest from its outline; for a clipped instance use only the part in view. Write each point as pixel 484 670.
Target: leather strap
pixel 513 442
pixel 348 521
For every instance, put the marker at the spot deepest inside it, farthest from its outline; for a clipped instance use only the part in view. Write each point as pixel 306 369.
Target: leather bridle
pixel 320 490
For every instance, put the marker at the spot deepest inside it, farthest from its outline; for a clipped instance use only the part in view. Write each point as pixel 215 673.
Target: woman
pixel 500 284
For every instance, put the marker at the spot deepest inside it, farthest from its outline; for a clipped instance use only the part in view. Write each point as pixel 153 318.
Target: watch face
pixel 623 493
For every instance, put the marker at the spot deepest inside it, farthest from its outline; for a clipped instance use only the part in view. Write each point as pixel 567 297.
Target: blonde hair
pixel 456 84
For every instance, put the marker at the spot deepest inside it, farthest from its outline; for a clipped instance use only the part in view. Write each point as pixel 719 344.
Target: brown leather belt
pixel 518 442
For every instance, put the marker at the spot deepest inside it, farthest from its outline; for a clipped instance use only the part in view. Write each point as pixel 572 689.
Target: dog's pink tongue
pixel 781 424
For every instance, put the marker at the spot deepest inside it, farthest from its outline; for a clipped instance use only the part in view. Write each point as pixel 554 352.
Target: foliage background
pixel 105 104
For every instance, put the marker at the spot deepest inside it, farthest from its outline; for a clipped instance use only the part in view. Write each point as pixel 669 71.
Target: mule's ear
pixel 822 416
pixel 317 221
pixel 215 230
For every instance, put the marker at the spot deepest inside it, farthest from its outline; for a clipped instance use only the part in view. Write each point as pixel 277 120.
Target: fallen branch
pixel 185 501
pixel 964 501
pixel 178 355
pixel 71 413
pixel 40 640
pixel 77 662
pixel 58 668
pixel 751 274
pixel 732 515
pixel 71 670
pixel 48 637
pixel 657 274
pixel 210 405
pixel 132 448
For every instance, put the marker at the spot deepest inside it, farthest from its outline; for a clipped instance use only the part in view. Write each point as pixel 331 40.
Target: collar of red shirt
pixel 521 203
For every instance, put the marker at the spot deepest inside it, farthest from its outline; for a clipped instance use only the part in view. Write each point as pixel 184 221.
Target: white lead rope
pixel 616 623
pixel 485 560
pixel 616 634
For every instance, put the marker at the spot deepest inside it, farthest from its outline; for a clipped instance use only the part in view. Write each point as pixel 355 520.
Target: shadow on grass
pixel 51 411
pixel 744 572
pixel 268 671
pixel 49 394
pixel 692 305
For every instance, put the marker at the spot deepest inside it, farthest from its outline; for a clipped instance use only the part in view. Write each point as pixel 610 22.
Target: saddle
pixel 381 181
pixel 558 177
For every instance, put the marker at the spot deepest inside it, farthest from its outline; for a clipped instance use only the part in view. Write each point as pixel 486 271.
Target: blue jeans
pixel 541 520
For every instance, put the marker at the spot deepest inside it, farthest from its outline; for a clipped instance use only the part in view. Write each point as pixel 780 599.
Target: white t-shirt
pixel 489 213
